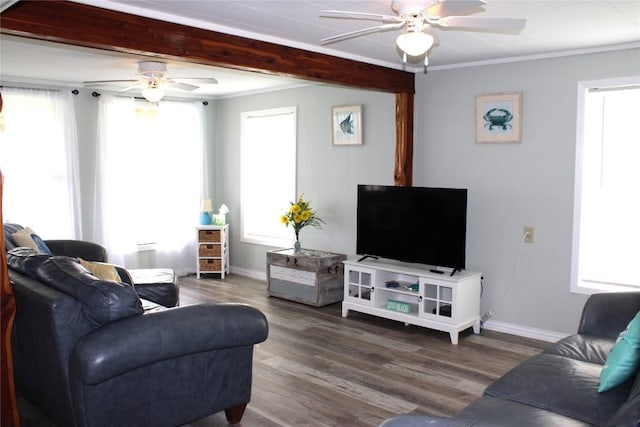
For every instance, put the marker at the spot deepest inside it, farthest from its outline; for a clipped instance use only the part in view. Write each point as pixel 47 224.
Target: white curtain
pixel 39 158
pixel 149 182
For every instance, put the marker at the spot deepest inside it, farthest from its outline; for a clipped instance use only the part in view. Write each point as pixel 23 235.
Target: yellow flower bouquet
pixel 301 215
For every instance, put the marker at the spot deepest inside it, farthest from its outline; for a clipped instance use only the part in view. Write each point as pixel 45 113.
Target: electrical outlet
pixel 528 234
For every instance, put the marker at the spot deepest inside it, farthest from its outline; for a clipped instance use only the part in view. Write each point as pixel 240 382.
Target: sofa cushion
pixel 26 260
pixel 624 359
pixel 103 301
pixel 583 347
pixel 29 239
pixel 562 385
pixel 502 412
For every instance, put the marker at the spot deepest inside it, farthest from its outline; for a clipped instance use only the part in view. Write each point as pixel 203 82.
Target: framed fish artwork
pixel 347 125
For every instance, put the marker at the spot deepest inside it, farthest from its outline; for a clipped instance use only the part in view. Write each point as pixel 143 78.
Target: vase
pixel 296 247
pixel 205 218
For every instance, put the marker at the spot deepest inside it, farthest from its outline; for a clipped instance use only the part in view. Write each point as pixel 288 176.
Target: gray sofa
pixel 90 352
pixel 559 386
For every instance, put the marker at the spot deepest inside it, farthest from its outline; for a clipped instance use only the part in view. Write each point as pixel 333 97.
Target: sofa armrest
pixel 138 341
pixel 88 251
pixel 607 314
pixel 125 277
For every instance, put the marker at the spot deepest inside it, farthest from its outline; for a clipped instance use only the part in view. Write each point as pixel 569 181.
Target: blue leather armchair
pixel 89 352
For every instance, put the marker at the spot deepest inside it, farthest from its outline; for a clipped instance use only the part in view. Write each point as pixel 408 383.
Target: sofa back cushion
pixel 102 301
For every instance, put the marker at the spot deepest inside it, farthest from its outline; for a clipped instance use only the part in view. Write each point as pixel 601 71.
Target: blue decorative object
pixel 296 247
pixel 205 218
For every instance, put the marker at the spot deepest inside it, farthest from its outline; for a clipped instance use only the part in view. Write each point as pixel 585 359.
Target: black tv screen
pixel 413 224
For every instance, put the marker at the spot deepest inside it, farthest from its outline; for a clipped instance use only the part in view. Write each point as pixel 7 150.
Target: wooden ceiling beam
pixel 90 26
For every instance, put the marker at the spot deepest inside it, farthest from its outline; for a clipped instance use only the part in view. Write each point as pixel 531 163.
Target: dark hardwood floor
pixel 319 369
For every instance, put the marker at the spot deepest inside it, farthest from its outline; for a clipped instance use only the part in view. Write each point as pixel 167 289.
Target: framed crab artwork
pixel 347 125
pixel 498 118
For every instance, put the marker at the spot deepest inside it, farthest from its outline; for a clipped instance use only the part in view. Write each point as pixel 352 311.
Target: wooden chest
pixel 309 277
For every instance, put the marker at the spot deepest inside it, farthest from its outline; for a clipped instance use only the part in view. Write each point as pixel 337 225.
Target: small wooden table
pixel 309 276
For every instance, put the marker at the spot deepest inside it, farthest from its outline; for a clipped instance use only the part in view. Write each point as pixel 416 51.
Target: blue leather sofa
pixel 559 386
pixel 89 352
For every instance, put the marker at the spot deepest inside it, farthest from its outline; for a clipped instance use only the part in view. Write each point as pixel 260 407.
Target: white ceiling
pixel 553 28
pixel 36 62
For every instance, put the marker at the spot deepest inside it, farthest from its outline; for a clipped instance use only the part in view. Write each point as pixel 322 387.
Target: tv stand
pixel 362 258
pixel 413 295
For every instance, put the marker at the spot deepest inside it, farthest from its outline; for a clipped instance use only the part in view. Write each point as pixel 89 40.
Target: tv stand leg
pixel 454 337
pixel 345 311
pixel 476 327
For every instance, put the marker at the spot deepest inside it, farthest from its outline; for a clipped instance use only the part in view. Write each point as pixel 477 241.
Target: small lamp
pixel 205 212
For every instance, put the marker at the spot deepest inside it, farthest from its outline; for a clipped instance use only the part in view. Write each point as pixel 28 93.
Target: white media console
pixel 413 294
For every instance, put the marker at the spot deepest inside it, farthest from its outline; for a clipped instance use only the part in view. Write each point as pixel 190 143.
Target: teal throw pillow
pixel 624 358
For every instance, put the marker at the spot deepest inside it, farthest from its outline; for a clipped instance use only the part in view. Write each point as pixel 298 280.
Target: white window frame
pixel 274 168
pixel 577 285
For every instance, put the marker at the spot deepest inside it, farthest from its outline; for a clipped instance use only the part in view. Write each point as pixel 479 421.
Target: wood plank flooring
pixel 319 369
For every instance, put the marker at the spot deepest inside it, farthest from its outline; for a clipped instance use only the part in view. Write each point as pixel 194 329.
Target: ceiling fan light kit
pixel 153 95
pixel 415 43
pixel 154 91
pixel 417 15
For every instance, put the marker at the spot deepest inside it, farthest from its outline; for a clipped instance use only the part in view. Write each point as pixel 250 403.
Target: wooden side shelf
pixel 212 243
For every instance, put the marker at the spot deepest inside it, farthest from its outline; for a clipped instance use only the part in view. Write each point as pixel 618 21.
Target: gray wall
pixel 510 185
pixel 327 175
pixel 513 185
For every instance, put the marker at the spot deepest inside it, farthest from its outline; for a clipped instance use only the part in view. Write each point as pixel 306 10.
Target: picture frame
pixel 499 118
pixel 346 125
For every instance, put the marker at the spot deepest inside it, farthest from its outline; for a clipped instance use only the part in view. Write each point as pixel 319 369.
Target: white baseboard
pixel 523 331
pixel 258 275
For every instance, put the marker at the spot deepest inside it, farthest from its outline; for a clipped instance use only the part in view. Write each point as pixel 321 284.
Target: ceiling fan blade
pixel 362 32
pixel 137 86
pixel 475 22
pixel 96 82
pixel 358 15
pixel 451 7
pixel 180 86
pixel 201 80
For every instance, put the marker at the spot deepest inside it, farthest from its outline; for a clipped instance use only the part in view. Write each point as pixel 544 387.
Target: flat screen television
pixel 413 224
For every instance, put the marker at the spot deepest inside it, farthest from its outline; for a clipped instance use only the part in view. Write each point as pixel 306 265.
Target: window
pixel 607 206
pixel 38 157
pixel 268 174
pixel 150 181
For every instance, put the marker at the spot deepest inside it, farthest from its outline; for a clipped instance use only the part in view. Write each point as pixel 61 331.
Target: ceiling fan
pixel 420 17
pixel 152 81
